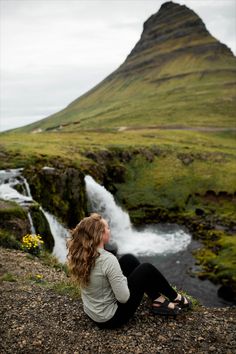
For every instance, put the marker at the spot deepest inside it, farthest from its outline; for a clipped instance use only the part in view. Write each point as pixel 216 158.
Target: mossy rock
pixel 218 259
pixel 14 218
pixel 8 240
pixel 42 227
pixel 60 190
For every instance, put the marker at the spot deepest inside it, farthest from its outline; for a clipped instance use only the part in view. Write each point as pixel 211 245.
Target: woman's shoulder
pixel 106 256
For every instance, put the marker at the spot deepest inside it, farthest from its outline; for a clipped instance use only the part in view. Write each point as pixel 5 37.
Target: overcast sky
pixel 52 51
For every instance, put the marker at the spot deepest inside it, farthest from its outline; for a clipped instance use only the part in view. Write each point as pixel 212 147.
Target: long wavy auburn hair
pixel 82 247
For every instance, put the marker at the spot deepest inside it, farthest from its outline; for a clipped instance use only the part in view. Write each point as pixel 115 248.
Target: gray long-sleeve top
pixel 107 286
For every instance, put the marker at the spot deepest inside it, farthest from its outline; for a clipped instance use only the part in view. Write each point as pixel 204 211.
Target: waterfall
pixel 149 242
pixel 7 192
pixel 60 234
pixel 32 229
pixel 8 180
pixel 27 187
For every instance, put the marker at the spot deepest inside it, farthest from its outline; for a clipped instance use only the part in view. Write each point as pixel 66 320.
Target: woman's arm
pixel 116 279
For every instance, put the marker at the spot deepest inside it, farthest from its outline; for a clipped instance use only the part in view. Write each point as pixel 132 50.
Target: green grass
pixel 48 145
pixel 8 277
pixel 67 288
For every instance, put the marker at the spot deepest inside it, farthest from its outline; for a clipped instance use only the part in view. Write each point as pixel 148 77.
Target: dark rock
pixel 42 227
pixel 227 293
pixel 199 212
pixel 61 192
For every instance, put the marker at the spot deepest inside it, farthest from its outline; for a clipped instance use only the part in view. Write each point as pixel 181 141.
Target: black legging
pixel 142 278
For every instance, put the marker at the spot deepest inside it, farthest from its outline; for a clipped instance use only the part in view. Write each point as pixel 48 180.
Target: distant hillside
pixel 176 75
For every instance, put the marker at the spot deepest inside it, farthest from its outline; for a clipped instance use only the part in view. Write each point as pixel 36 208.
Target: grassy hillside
pixel 191 95
pixel 189 161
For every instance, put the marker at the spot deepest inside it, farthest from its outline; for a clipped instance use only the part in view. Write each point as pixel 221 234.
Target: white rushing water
pixel 7 192
pixel 60 235
pixel 8 180
pixel 148 242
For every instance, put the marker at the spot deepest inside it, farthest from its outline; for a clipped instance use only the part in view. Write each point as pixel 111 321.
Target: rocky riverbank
pixel 40 315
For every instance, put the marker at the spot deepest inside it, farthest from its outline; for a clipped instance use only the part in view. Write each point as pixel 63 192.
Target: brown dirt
pixel 37 319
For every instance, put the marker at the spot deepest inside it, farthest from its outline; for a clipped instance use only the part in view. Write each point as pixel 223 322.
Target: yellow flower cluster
pixel 30 242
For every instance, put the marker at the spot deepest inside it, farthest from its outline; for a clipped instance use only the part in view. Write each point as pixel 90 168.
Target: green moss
pixel 10 210
pixel 8 240
pixel 14 224
pixel 218 257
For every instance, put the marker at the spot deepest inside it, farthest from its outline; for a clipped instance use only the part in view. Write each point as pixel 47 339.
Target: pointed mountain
pixel 176 75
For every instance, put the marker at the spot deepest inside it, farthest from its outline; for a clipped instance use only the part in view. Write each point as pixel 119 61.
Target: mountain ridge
pixel 177 73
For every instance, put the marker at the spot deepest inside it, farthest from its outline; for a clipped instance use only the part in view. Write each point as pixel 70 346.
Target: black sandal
pixel 182 305
pixel 163 309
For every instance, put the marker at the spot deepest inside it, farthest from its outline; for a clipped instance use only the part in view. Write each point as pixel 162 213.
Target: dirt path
pixel 35 318
pixel 177 127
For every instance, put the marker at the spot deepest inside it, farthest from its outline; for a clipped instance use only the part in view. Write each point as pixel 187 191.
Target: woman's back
pixel 107 284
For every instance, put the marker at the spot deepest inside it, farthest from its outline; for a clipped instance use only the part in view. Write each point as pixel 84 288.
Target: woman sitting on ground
pixel 112 289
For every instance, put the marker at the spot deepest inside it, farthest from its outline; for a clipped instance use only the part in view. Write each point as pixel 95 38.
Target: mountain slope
pixel 176 75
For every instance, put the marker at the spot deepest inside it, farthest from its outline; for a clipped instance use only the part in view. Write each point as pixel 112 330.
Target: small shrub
pixel 32 244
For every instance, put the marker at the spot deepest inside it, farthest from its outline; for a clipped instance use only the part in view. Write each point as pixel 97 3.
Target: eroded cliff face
pixel 59 189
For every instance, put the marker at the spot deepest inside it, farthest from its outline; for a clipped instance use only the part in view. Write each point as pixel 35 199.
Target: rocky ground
pixel 37 318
